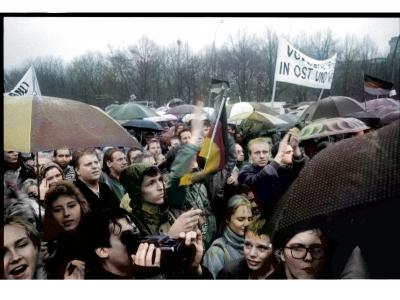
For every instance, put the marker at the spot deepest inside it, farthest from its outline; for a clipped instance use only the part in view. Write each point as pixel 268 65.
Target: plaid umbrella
pixel 349 174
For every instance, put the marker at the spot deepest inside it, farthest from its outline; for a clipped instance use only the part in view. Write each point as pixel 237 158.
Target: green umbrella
pixel 131 111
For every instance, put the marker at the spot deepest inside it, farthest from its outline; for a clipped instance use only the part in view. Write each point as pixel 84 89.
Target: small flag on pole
pixel 376 86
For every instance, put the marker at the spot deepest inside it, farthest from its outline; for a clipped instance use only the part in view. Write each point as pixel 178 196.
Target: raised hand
pixel 75 270
pixel 186 222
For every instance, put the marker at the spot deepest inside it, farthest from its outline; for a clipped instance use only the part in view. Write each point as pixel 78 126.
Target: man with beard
pixel 63 158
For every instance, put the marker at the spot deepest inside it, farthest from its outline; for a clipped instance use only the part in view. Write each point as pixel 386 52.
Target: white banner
pixel 28 85
pixel 294 67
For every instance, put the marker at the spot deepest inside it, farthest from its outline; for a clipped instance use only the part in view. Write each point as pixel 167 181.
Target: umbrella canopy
pixel 39 123
pixel 162 118
pixel 331 107
pixel 369 118
pixel 254 111
pixel 131 111
pixel 181 110
pixel 349 174
pixel 142 125
pixel 387 109
pixel 327 127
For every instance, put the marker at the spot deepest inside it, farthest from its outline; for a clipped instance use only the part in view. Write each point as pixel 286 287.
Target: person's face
pixel 287 157
pixel 155 149
pixel 134 154
pixel 153 189
pixel 66 212
pixel 11 156
pixel 206 129
pixel 308 267
pixel 118 256
pixel 185 137
pixel 20 254
pixel 118 162
pixel 53 175
pixel 257 251
pixel 63 157
pixel 259 154
pixel 89 168
pixel 240 220
pixel 239 153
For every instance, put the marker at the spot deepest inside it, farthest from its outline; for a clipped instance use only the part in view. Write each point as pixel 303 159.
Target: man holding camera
pixel 117 252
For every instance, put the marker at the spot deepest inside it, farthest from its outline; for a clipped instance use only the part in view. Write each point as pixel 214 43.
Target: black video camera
pixel 174 254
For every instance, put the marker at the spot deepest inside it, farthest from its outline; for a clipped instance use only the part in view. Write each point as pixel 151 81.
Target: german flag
pixel 376 86
pixel 213 149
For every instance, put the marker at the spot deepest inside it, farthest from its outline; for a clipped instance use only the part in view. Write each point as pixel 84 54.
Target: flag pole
pixel 320 94
pixel 365 98
pixel 273 94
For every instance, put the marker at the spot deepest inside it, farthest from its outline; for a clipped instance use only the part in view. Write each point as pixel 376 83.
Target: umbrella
pixel 142 124
pixel 181 110
pixel 331 107
pixel 39 123
pixel 189 117
pixel 387 109
pixel 162 118
pixel 131 111
pixel 369 118
pixel 349 174
pixel 254 111
pixel 327 127
pixel 351 190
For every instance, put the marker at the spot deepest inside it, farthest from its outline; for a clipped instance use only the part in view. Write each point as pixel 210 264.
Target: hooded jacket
pixel 150 219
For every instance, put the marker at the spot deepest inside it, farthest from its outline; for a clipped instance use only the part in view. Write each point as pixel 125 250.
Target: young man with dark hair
pixel 63 158
pixel 113 233
pixel 114 161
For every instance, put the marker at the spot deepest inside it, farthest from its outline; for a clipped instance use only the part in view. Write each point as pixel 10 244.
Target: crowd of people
pixel 151 211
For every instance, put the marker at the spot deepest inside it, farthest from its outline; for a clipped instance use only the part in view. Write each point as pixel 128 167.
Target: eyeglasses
pixel 300 251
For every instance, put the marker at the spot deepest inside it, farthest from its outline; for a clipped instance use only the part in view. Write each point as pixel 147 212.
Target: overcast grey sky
pixel 68 37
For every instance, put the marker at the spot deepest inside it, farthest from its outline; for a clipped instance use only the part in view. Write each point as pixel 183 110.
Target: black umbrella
pixel 352 191
pixel 350 173
pixel 331 107
pixel 142 125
